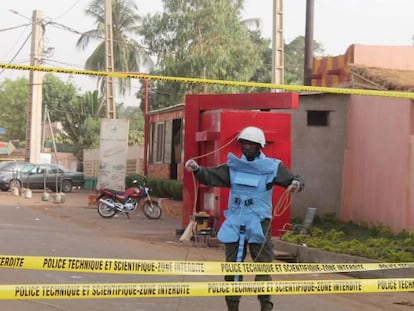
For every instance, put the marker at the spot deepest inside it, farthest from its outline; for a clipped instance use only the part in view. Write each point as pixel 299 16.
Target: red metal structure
pixel 212 123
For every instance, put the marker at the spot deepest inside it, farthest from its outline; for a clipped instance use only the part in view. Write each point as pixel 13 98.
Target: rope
pixel 279 209
pixel 284 201
pixel 195 183
pixel 195 187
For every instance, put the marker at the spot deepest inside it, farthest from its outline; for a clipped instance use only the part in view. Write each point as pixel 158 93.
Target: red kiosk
pixel 212 123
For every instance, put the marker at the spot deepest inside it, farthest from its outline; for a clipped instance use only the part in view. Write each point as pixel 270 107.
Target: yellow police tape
pixel 141 76
pixel 191 289
pixel 169 267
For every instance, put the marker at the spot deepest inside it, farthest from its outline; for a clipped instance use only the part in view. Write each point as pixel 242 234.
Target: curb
pixel 314 255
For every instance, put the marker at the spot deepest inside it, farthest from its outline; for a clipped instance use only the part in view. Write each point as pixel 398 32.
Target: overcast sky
pixel 337 25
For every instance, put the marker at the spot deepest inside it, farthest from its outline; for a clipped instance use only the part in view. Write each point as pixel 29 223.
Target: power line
pixel 18 51
pixel 67 10
pixel 51 61
pixel 64 27
pixel 16 42
pixel 15 27
pixel 70 29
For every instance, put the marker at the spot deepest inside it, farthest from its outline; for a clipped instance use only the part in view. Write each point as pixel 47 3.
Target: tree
pixel 58 98
pixel 14 96
pixel 136 123
pixel 295 58
pixel 264 72
pixel 128 53
pixel 199 39
pixel 77 113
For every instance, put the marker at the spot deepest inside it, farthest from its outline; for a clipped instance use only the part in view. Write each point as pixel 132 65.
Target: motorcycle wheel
pixel 152 210
pixel 106 211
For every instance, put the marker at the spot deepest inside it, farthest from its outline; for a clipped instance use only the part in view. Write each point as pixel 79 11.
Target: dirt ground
pixel 72 227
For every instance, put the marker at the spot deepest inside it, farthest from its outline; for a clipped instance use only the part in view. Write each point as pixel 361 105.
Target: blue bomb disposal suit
pixel 250 201
pixel 248 217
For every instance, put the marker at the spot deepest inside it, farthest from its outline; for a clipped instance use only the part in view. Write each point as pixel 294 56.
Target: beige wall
pixel 317 153
pixel 135 160
pixel 394 57
pixel 410 195
pixel 360 166
pixel 378 178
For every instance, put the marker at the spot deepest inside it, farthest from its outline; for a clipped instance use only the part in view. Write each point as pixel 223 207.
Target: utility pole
pixel 34 108
pixel 109 61
pixel 307 75
pixel 277 43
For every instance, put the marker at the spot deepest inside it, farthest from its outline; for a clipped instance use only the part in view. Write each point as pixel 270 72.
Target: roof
pixel 176 107
pixel 375 78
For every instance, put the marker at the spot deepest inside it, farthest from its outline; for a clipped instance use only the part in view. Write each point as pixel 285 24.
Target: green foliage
pixel 264 72
pixel 14 96
pixel 128 53
pixel 136 123
pixel 78 113
pixel 162 188
pixel 199 39
pixel 75 112
pixel 371 241
pixel 295 57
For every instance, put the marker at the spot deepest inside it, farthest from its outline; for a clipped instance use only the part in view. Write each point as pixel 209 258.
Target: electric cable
pixel 67 10
pixel 64 27
pixel 77 32
pixel 18 51
pixel 15 27
pixel 52 61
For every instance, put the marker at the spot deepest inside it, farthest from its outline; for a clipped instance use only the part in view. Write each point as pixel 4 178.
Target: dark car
pixel 9 172
pixel 52 176
pixel 44 176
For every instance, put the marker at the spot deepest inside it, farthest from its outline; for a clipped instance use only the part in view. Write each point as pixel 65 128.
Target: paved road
pixel 38 228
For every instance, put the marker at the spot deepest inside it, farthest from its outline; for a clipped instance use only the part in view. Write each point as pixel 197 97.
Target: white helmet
pixel 253 134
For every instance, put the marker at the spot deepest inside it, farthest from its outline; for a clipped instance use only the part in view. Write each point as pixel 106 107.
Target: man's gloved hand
pixel 295 185
pixel 191 165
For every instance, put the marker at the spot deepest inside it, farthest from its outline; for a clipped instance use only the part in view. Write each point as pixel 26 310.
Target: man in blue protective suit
pixel 248 217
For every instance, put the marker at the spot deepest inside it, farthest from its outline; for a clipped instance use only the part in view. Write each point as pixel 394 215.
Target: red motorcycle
pixel 111 202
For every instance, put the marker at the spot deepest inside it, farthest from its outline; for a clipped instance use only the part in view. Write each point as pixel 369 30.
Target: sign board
pixel 2 130
pixel 6 148
pixel 45 158
pixel 113 154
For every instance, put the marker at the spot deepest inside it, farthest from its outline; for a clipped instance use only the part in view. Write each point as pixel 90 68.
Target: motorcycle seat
pixel 114 191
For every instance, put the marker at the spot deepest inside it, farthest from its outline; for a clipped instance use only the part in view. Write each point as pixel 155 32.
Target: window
pixel 158 142
pixel 318 118
pixel 53 169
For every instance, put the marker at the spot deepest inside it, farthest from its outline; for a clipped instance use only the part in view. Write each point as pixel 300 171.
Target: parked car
pixel 9 172
pixel 43 176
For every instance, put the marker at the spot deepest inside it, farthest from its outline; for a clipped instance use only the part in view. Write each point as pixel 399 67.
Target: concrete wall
pixel 410 195
pixel 135 161
pixel 334 70
pixel 317 152
pixel 393 57
pixel 378 170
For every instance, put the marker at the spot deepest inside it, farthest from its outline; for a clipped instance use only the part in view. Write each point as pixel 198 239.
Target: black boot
pixel 266 306
pixel 232 306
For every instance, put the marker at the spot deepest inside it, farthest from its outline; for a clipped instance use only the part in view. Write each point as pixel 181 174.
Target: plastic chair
pixel 205 232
